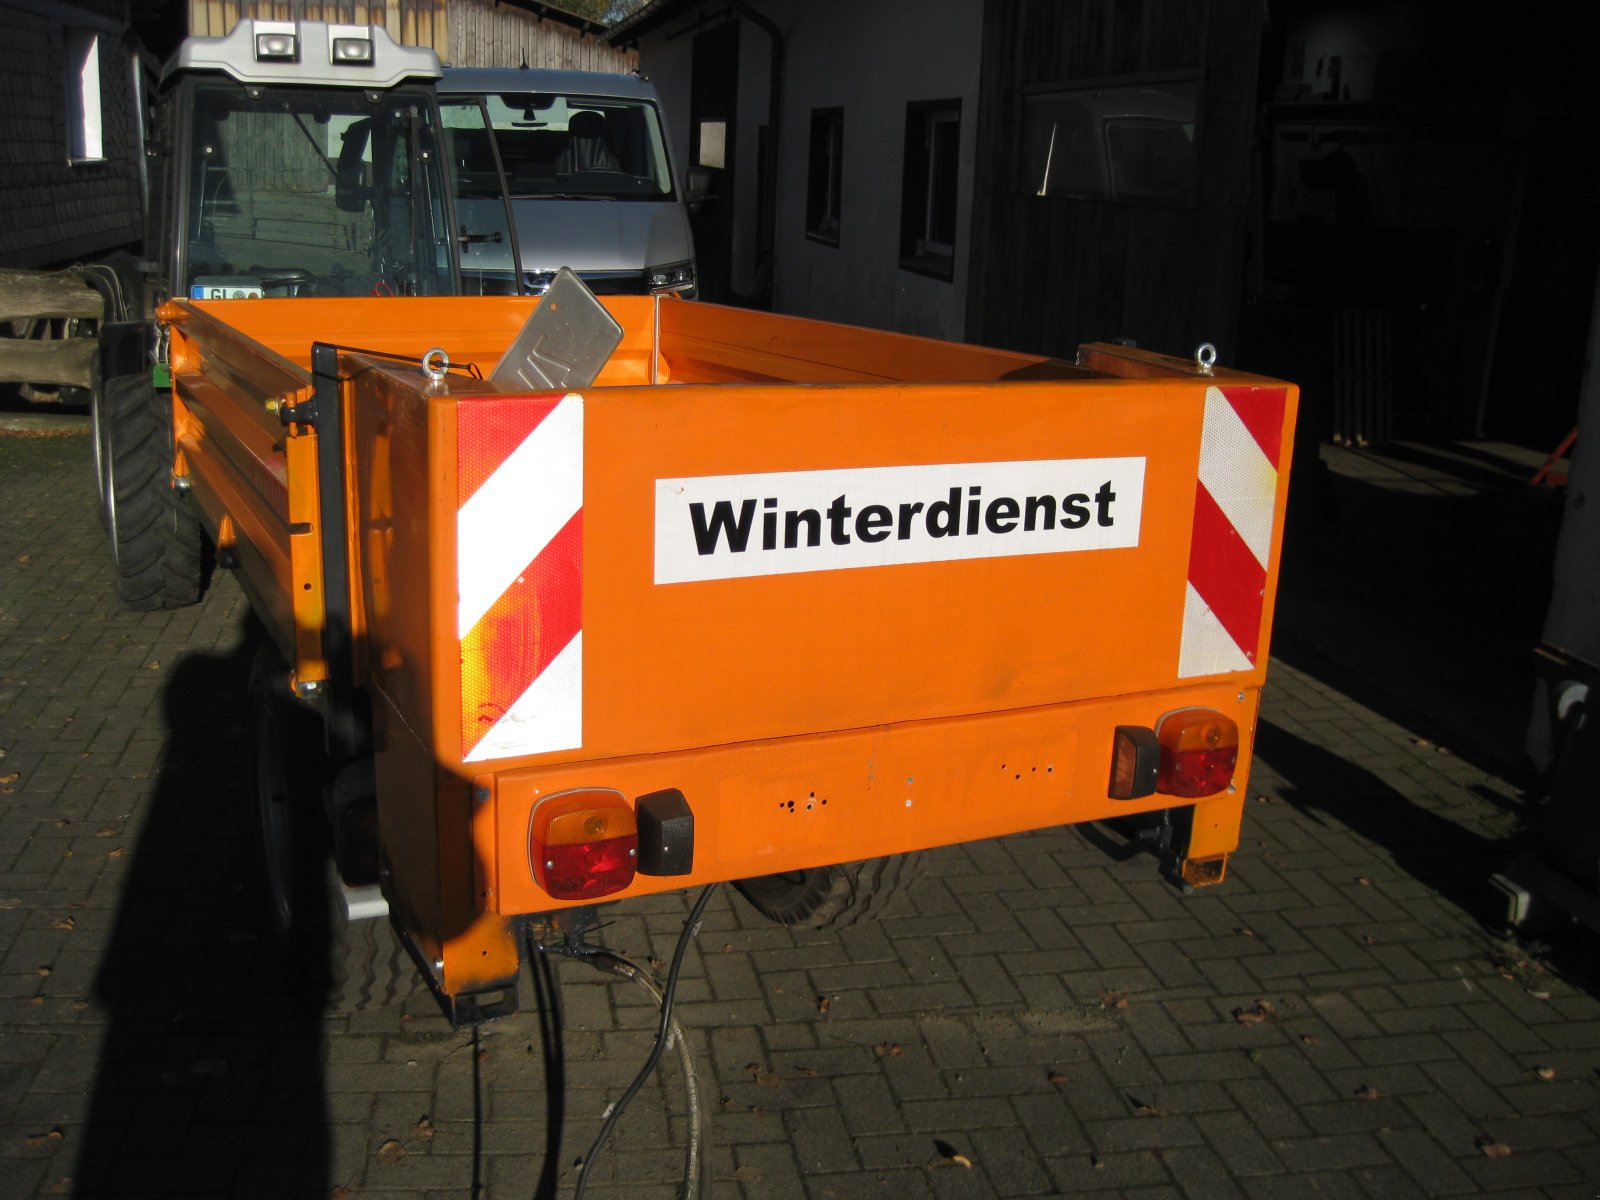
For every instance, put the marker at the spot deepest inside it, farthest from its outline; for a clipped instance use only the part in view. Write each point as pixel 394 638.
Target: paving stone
pixel 988 980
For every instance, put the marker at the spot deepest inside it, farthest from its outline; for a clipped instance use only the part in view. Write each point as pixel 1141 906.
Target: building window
pixel 713 145
pixel 1133 142
pixel 825 177
pixel 85 117
pixel 928 189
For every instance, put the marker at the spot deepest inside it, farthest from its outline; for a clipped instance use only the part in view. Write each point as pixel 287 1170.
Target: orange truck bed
pixel 845 593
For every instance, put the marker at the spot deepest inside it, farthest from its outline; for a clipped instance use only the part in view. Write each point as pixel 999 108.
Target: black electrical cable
pixel 668 994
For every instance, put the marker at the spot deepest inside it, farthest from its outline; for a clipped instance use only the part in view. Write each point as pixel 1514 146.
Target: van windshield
pixel 564 147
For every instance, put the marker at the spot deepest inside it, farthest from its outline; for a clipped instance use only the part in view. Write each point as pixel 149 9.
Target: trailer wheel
pixel 831 897
pixel 155 537
pixel 341 965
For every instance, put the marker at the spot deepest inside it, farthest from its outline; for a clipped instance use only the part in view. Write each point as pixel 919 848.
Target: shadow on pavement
pixel 210 1080
pixel 1424 606
pixel 1446 857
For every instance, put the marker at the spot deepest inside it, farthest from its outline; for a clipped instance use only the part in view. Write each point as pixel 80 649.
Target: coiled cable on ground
pixel 668 1033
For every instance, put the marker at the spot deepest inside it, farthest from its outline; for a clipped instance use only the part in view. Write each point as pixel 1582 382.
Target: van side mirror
pixel 701 189
pixel 350 190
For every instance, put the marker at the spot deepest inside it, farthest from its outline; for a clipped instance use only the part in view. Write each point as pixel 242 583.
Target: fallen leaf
pixel 390 1151
pixel 154 666
pixel 805 1072
pixel 1363 881
pixel 24 559
pixel 1245 932
pixel 67 854
pixel 107 832
pixel 42 972
pixel 950 1154
pixel 1492 1148
pixel 117 853
pixel 1057 1077
pixel 1538 995
pixel 1113 1000
pixel 1097 1162
pixel 1423 742
pixel 11 902
pixel 36 1001
pixel 407 1018
pixel 888 1050
pixel 657 963
pixel 1368 1093
pixel 763 1076
pixel 1261 1012
pixel 727 947
pixel 1308 1039
pixel 483 1056
pixel 1146 1110
pixel 422 1131
pixel 78 1005
pixel 45 1139
pixel 11 778
pixel 823 1005
pixel 1545 1073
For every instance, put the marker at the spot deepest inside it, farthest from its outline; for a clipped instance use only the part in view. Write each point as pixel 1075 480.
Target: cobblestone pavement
pixel 1040 1015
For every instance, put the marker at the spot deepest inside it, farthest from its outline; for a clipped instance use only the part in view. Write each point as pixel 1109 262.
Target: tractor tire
pixel 338 965
pixel 832 897
pixel 155 536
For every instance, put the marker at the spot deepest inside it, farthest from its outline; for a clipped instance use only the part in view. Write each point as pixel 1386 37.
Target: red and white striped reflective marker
pixel 1240 441
pixel 519 572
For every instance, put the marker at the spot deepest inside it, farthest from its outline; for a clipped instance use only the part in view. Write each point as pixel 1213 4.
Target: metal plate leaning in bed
pixel 564 343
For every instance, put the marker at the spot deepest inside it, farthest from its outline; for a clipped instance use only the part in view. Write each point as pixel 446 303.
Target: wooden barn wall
pixel 1049 273
pixel 489 35
pixel 463 33
pixel 409 22
pixel 56 212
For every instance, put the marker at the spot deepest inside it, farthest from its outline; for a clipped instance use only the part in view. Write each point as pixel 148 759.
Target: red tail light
pixel 1199 750
pixel 583 844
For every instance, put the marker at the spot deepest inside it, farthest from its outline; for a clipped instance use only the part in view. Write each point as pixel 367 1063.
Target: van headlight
pixel 673 277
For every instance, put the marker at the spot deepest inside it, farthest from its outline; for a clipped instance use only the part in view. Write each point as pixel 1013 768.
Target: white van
pixel 585 163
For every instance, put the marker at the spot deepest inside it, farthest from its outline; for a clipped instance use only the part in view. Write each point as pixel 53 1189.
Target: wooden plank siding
pixel 54 209
pixel 463 33
pixel 489 35
pixel 409 22
pixel 1050 272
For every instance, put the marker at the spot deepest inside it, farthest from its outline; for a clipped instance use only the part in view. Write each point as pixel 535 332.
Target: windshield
pixel 320 192
pixel 575 147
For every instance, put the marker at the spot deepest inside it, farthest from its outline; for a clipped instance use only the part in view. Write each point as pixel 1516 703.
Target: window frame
pixel 924 170
pixel 86 108
pixel 825 195
pixel 1020 182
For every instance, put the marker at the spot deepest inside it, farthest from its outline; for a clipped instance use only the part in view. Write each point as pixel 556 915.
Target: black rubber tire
pixel 339 965
pixel 832 897
pixel 155 536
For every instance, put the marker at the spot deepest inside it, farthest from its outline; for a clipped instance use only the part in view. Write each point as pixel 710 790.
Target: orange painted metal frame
pixel 809 718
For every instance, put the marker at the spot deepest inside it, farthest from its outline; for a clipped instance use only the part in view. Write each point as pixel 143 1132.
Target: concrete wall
pixel 869 60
